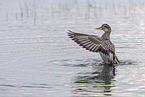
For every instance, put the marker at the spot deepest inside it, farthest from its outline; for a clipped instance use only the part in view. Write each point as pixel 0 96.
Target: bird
pixel 94 43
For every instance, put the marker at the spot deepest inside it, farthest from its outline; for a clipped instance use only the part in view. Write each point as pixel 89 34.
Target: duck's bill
pixel 99 28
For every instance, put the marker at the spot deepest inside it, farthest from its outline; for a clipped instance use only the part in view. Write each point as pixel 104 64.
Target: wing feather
pixel 90 42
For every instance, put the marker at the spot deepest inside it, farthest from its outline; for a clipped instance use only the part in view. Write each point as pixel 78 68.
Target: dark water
pixel 37 59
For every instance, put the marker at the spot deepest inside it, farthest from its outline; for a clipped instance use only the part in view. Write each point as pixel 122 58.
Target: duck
pixel 94 43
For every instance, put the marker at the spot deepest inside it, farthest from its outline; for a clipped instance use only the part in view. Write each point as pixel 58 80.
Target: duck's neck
pixel 106 36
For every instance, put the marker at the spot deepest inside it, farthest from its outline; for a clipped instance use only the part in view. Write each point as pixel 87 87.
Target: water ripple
pixel 76 62
pixel 27 86
pixel 128 62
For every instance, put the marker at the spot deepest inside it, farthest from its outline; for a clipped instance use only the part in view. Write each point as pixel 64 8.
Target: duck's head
pixel 105 28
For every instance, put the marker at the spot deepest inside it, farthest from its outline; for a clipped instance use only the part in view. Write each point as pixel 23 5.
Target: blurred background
pixel 37 59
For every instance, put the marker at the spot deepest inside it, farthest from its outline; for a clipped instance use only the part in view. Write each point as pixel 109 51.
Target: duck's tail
pixel 116 60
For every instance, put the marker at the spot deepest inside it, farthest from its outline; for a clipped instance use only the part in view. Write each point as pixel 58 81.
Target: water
pixel 37 59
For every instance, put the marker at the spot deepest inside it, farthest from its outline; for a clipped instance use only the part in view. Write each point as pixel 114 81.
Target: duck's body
pixel 94 43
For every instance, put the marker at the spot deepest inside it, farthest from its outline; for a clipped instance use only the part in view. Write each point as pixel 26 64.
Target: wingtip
pixel 69 30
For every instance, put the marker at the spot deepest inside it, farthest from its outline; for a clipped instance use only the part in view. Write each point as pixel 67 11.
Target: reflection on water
pixel 42 10
pixel 95 83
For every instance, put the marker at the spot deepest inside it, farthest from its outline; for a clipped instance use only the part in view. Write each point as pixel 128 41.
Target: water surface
pixel 37 59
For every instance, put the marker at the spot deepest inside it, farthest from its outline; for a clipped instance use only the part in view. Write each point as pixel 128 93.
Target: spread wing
pixel 91 42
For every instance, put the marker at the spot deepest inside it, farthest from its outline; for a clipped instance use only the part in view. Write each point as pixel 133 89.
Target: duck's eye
pixel 105 27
